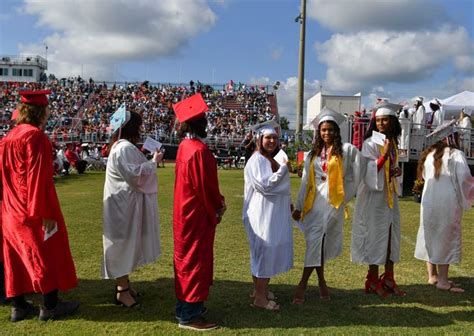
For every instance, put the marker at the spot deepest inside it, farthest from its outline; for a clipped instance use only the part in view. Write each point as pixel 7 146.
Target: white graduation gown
pixel 131 225
pixel 373 218
pixel 438 118
pixel 442 205
pixel 323 220
pixel 465 130
pixel 418 129
pixel 267 217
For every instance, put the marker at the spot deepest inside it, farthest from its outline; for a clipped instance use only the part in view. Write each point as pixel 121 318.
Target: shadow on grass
pixel 229 304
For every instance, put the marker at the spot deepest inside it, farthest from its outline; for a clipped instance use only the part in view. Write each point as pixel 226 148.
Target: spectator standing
pixel 131 226
pixel 33 226
pixel 447 192
pixel 198 208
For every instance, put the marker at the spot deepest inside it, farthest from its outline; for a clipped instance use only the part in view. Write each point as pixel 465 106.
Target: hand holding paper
pixel 378 138
pixel 152 145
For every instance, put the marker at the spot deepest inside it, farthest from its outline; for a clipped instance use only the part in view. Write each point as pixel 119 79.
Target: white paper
pixel 48 235
pixel 152 145
pixel 281 157
pixel 378 138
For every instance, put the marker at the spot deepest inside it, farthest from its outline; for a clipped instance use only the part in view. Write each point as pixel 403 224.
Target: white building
pixel 22 68
pixel 342 104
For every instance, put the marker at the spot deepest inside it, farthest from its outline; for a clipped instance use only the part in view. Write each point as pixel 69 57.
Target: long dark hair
pixel 130 131
pixel 196 127
pixel 319 142
pixel 437 156
pixel 394 132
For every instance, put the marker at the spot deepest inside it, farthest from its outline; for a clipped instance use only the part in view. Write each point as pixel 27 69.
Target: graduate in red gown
pixel 36 247
pixel 198 208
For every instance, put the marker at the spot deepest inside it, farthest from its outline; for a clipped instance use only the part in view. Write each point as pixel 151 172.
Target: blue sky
pixel 390 48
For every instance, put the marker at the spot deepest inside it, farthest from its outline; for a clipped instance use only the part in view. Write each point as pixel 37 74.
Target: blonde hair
pixel 31 114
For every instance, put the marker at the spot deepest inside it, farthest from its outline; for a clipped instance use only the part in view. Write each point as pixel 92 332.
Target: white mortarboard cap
pixel 387 109
pixel 419 98
pixel 467 111
pixel 327 114
pixel 119 118
pixel 266 127
pixel 435 101
pixel 443 131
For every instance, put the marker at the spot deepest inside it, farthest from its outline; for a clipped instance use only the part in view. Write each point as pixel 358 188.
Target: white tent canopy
pixel 453 105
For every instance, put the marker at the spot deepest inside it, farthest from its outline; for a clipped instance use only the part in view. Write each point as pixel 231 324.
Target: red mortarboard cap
pixel 190 108
pixel 36 98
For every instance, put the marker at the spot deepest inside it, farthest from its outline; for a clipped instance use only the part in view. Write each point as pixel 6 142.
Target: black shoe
pixel 199 324
pixel 19 314
pixel 62 309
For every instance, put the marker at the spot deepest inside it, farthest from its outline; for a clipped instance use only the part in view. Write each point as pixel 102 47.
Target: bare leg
pixel 388 279
pixel 443 281
pixel 432 273
pixel 323 288
pixel 123 294
pixel 299 295
pixel 261 291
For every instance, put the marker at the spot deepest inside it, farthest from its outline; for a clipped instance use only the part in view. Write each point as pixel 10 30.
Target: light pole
pixel 299 100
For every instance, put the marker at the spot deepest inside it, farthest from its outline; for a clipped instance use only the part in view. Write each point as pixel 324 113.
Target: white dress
pixel 442 205
pixel 373 218
pixel 438 118
pixel 323 220
pixel 131 226
pixel 267 217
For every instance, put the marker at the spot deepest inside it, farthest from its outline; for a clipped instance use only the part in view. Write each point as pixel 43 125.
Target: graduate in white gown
pixel 437 116
pixel 131 225
pixel 267 215
pixel 330 180
pixel 447 192
pixel 418 119
pixel 376 221
pixel 465 126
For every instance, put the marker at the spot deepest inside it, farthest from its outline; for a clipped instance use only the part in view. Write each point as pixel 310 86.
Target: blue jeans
pixel 188 311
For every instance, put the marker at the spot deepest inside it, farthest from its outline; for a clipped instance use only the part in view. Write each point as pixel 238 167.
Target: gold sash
pixel 335 184
pixel 390 183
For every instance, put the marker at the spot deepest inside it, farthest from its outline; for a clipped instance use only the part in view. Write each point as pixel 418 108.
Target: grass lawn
pixel 424 311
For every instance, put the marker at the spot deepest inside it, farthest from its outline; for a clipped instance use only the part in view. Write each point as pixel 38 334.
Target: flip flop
pixel 451 288
pixel 270 296
pixel 271 305
pixel 450 282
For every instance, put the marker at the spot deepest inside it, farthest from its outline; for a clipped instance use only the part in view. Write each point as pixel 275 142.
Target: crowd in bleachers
pixel 80 109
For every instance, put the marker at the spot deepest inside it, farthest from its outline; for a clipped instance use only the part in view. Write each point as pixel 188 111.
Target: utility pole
pixel 299 100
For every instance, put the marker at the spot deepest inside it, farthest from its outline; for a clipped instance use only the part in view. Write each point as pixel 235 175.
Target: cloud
pixel 464 63
pixel 362 60
pixel 286 96
pixel 467 84
pixel 357 15
pixel 103 32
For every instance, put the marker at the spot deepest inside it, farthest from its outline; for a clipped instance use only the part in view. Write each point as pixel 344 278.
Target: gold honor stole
pixel 335 181
pixel 390 183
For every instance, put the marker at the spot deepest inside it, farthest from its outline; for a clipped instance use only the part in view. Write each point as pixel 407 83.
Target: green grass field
pixel 425 310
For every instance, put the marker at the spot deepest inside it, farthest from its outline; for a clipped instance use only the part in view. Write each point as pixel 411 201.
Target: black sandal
pixel 120 303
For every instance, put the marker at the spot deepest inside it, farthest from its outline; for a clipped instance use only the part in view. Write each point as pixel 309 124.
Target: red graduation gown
pixel 31 263
pixel 196 201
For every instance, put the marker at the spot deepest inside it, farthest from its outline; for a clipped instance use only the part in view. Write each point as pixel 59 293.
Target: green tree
pixel 284 123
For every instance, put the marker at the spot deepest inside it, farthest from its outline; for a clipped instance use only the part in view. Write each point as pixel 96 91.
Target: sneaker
pixel 199 324
pixel 62 309
pixel 19 314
